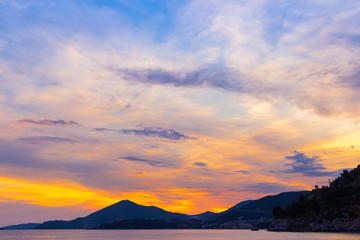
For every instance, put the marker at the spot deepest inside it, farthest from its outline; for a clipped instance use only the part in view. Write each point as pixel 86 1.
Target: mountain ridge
pixel 256 209
pixel 121 210
pixel 125 213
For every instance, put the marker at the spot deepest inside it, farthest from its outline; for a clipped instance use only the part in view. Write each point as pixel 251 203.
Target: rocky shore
pixel 316 225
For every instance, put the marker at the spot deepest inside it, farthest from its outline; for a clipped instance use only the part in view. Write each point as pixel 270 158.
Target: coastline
pixel 315 225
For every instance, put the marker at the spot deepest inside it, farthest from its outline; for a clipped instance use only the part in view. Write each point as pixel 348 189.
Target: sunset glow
pixel 190 106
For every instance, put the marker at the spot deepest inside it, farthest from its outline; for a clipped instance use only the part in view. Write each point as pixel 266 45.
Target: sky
pixel 190 105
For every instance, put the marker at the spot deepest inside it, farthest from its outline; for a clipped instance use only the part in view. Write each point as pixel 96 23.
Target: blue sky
pixel 188 105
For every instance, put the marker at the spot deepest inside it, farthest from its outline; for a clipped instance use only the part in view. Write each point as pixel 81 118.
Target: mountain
pixel 206 216
pixel 330 208
pixel 237 206
pixel 267 204
pixel 257 209
pixel 119 211
pixel 25 226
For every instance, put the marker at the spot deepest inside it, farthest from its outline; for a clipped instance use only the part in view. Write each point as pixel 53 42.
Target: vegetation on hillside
pixel 339 200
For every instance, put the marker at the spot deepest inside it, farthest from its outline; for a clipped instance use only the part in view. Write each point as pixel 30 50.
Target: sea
pixel 169 235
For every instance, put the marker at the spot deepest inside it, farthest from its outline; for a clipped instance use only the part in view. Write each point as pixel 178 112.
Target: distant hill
pixel 119 211
pixel 206 216
pixel 329 208
pixel 266 204
pixel 25 226
pixel 237 206
pixel 257 209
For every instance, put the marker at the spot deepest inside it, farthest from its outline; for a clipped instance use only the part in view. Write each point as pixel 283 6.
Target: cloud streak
pixel 153 163
pixel 46 139
pixel 49 122
pixel 151 132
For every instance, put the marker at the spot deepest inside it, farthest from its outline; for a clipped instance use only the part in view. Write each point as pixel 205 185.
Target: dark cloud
pixel 154 163
pixel 225 78
pixel 307 166
pixel 242 171
pixel 200 164
pixel 48 122
pixel 151 132
pixel 157 132
pixel 46 139
pixel 105 129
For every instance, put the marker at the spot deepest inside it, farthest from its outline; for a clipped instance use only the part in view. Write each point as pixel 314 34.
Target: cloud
pixel 307 166
pixel 200 164
pixel 225 78
pixel 46 139
pixel 151 132
pixel 154 163
pixel 48 122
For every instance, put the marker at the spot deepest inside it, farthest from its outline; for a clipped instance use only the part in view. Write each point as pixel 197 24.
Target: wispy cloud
pixel 307 166
pixel 48 122
pixel 154 163
pixel 151 132
pixel 45 139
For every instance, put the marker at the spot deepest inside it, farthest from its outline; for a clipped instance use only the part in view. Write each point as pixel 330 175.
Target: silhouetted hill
pixel 206 216
pixel 119 211
pixel 25 226
pixel 237 206
pixel 256 209
pixel 330 208
pixel 267 204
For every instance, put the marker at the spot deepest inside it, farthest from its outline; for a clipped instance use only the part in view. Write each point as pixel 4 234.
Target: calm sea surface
pixel 168 234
